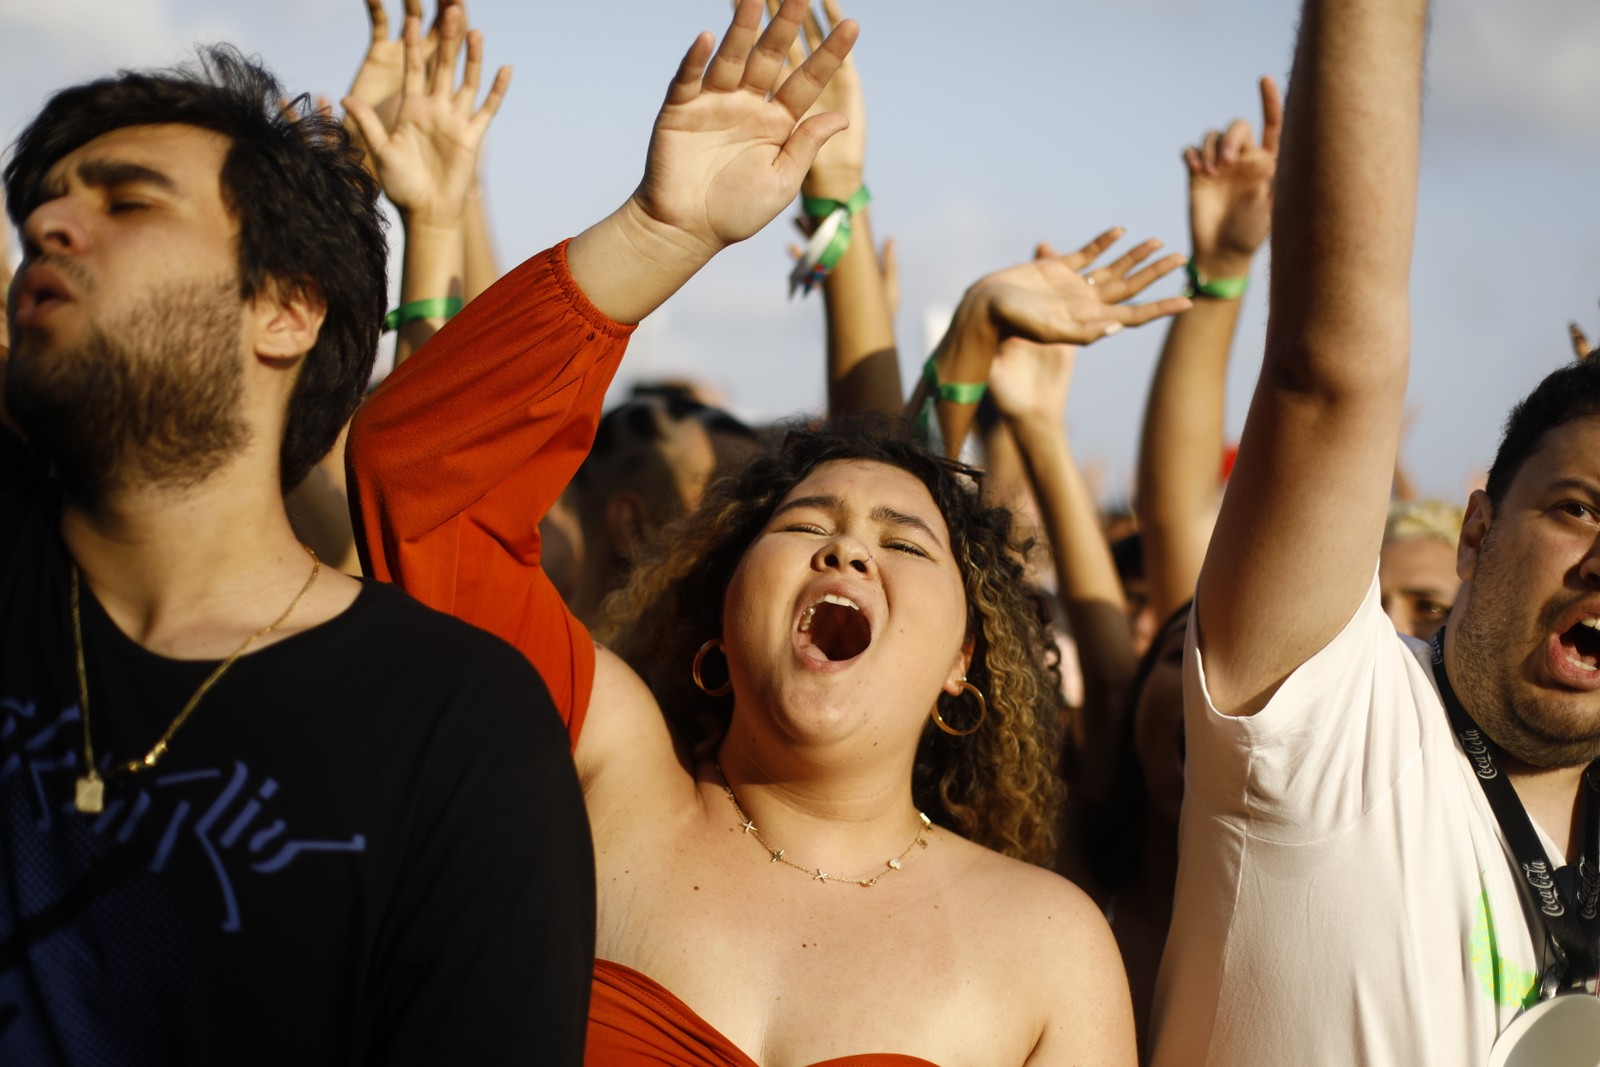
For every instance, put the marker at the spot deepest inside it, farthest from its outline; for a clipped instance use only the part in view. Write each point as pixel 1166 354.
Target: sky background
pixel 989 131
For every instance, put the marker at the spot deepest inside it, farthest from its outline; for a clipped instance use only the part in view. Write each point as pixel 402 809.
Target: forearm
pixel 433 269
pixel 1086 577
pixel 863 365
pixel 481 268
pixel 964 354
pixel 1180 449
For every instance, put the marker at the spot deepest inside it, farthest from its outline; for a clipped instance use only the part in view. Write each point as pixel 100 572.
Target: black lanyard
pixel 1571 933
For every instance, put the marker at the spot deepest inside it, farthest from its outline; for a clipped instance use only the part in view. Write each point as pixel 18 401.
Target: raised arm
pixel 427 161
pixel 728 152
pixel 1296 543
pixel 1045 300
pixel 1029 383
pixel 457 457
pixel 863 365
pixel 1180 452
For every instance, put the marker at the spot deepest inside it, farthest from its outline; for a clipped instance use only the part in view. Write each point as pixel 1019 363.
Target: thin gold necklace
pixel 90 795
pixel 817 873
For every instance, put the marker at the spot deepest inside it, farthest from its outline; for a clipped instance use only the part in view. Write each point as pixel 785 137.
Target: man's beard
pixel 1539 726
pixel 151 401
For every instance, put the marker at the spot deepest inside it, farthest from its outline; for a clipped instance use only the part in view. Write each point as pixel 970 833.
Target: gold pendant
pixel 90 795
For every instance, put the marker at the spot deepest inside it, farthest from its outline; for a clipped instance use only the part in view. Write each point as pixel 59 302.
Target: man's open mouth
pixel 1581 643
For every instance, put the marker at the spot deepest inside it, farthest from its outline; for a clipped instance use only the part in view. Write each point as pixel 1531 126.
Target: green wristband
pixel 820 207
pixel 439 307
pixel 1215 288
pixel 954 392
pixel 818 262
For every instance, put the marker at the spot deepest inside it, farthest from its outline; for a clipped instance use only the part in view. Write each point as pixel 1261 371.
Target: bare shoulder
pixel 1050 930
pixel 1042 908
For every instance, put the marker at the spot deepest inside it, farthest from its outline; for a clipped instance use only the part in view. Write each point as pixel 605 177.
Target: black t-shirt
pixel 367 845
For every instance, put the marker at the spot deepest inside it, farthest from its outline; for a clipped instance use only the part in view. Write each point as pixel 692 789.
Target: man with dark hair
pixel 251 809
pixel 1388 851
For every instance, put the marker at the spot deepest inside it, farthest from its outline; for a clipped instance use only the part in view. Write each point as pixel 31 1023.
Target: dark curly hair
pixel 998 786
pixel 307 210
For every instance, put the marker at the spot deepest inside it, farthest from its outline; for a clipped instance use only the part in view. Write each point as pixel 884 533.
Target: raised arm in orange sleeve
pixel 455 459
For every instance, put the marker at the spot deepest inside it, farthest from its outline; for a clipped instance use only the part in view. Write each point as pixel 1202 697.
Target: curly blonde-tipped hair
pixel 998 786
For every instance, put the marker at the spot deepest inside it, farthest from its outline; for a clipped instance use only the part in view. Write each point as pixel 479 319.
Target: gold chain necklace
pixel 90 795
pixel 817 873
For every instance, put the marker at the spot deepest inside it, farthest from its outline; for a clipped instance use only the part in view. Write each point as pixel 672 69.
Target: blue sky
pixel 991 130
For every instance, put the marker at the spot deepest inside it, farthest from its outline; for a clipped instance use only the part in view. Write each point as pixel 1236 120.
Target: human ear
pixel 958 670
pixel 285 322
pixel 1474 529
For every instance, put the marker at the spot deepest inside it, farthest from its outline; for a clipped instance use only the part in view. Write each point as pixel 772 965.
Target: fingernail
pixel 1115 327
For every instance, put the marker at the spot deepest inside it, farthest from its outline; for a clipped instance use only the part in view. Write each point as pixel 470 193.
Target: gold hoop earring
pixel 983 713
pixel 726 687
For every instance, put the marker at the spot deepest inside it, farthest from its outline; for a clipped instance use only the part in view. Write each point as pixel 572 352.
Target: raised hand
pixel 380 76
pixel 1052 299
pixel 1029 380
pixel 732 142
pixel 1048 300
pixel 1582 348
pixel 837 172
pixel 1230 190
pixel 427 161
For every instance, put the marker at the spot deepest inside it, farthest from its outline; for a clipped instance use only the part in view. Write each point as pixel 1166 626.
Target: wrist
pixel 973 327
pixel 672 247
pixel 1210 286
pixel 831 185
pixel 1035 425
pixel 1215 263
pixel 427 224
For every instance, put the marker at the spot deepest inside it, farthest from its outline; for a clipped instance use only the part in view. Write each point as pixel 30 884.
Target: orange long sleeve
pixel 454 460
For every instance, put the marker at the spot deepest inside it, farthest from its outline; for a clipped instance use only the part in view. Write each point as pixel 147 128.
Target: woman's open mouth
pixel 834 627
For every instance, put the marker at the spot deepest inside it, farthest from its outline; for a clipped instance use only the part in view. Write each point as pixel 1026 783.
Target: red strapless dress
pixel 636 1021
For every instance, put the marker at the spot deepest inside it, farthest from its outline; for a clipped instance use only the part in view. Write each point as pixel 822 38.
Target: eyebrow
pixel 880 513
pixel 109 173
pixel 1575 485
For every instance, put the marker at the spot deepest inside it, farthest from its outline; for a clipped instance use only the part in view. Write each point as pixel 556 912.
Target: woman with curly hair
pixel 982 759
pixel 825 751
pixel 811 818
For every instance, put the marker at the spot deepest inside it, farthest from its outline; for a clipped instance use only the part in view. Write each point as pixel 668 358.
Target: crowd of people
pixel 462 721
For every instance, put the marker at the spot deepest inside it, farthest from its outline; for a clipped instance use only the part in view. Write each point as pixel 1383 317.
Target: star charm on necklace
pixel 749 827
